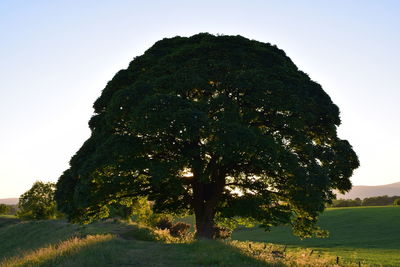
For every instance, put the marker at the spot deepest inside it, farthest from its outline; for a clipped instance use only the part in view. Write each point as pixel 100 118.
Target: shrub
pixel 180 229
pixel 164 236
pixel 222 232
pixel 142 211
pixel 124 212
pixel 164 223
pixel 396 202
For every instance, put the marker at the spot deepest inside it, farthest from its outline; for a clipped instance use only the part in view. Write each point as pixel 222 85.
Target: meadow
pixel 366 236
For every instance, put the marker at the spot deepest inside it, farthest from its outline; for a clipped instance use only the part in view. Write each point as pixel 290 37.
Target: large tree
pixel 219 126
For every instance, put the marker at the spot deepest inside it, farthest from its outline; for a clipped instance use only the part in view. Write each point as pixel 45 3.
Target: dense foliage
pixel 38 202
pixel 337 203
pixel 368 201
pixel 4 208
pixel 219 126
pixel 8 209
pixel 379 201
pixel 123 211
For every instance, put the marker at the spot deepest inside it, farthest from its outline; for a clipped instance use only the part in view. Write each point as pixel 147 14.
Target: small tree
pixel 396 202
pixel 38 202
pixel 4 209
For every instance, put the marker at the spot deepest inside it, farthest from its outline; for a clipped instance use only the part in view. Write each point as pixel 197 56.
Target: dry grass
pixel 279 255
pixel 52 252
pixel 165 237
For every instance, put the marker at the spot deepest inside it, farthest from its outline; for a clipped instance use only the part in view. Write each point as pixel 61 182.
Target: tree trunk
pixel 205 200
pixel 205 222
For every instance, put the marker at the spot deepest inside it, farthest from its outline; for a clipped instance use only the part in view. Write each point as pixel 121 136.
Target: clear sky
pixel 57 56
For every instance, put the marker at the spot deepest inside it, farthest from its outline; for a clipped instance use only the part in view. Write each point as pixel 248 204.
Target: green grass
pixel 7 220
pixel 366 234
pixel 369 235
pixel 120 252
pixel 57 243
pixel 24 236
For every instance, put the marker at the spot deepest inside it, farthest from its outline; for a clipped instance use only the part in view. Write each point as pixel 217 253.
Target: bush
pixel 222 232
pixel 143 212
pixel 396 202
pixel 124 212
pixel 164 223
pixel 165 236
pixel 180 229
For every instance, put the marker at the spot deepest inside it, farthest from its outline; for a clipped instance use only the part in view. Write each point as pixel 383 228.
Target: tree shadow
pixel 52 255
pixel 218 253
pixel 8 220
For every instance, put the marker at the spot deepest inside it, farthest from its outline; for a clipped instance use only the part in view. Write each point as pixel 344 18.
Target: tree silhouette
pixel 219 126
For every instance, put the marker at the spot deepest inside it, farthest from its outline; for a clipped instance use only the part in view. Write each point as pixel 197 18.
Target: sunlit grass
pixel 295 256
pixel 54 254
pixel 7 216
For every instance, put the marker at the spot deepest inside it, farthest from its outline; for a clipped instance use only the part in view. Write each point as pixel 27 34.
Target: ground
pixel 366 236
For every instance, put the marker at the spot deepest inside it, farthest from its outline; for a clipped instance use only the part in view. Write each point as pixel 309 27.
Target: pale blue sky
pixel 57 56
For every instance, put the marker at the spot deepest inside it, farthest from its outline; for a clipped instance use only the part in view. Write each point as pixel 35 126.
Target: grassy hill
pixel 57 243
pixel 365 235
pixel 370 234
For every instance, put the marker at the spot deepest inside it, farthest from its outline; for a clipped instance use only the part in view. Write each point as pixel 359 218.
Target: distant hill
pixel 9 201
pixel 363 191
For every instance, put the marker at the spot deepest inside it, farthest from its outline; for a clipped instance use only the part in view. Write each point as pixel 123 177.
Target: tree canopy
pixel 38 202
pixel 220 126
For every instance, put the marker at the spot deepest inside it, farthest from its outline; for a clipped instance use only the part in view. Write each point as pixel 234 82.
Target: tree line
pixel 39 203
pixel 368 201
pixel 8 209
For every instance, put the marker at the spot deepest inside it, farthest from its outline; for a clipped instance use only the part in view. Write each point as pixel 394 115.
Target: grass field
pixel 57 243
pixel 366 235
